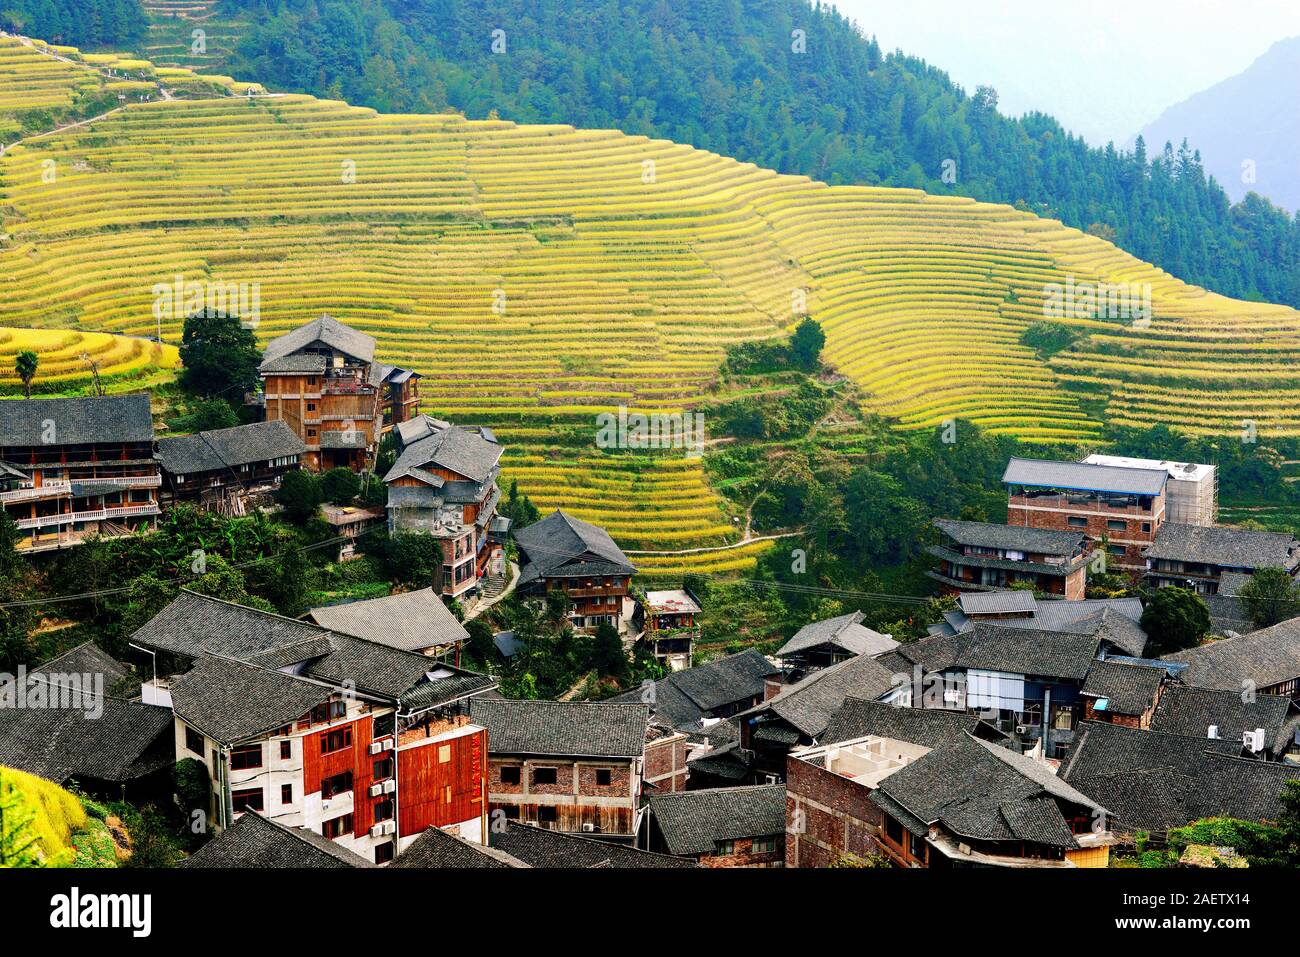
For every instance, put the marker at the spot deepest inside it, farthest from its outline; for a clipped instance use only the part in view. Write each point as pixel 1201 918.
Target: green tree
pixel 220 356
pixel 1270 596
pixel 25 365
pixel 341 486
pixel 208 415
pixel 300 495
pixel 1174 619
pixel 806 345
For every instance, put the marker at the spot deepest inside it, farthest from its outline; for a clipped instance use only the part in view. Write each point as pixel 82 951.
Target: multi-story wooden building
pixel 70 468
pixel 1198 557
pixel 981 556
pixel 563 765
pixel 444 484
pixel 322 380
pixel 562 552
pixel 719 827
pixel 363 743
pixel 226 468
pixel 672 626
pixel 1118 507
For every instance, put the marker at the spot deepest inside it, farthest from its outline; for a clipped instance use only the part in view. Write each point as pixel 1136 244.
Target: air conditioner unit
pixel 376 789
pixel 589 828
pixel 390 786
pixel 377 830
pixel 376 747
pixel 1253 741
pixel 1212 731
pixel 388 744
pixel 387 827
pixel 1024 728
pixel 952 696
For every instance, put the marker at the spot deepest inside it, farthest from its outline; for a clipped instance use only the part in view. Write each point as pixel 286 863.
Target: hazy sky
pixel 1104 68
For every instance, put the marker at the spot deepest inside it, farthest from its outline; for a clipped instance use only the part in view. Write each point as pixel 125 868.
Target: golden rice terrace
pixel 540 275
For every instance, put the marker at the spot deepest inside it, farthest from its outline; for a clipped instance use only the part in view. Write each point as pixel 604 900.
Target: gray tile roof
pixel 984 792
pixel 254 842
pixel 87 658
pixel 538 847
pixel 562 728
pixel 230 701
pixel 682 698
pixel 1191 712
pixel 409 621
pixel 1265 658
pixel 194 624
pixel 993 646
pixel 1155 780
pixel 928 727
pixel 327 330
pixel 306 363
pixel 997 602
pixel 1129 689
pixel 1053 614
pixel 108 420
pixel 453 448
pixel 693 822
pixel 1228 547
pixel 1039 541
pixel 809 704
pixel 436 848
pixel 223 449
pixel 420 682
pixel 1042 473
pixel 846 632
pixel 561 546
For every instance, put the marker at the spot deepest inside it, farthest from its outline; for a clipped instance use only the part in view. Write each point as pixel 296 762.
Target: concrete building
pixel 1192 493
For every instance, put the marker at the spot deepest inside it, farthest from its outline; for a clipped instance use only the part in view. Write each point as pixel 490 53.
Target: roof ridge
pixel 257 611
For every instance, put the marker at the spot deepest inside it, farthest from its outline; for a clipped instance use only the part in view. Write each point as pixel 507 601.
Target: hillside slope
pixel 1247 117
pixel 541 275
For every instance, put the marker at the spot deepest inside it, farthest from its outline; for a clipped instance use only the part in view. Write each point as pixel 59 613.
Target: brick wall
pixel 1132 537
pixel 665 763
pixel 826 816
pixel 744 855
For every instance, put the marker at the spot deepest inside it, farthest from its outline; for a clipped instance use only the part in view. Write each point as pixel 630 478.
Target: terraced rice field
pixel 541 275
pixel 172 42
pixel 125 364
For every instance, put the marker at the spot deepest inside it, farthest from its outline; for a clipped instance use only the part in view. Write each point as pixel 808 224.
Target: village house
pixel 364 743
pixel 72 468
pixel 693 699
pixel 566 766
pixel 322 380
pixel 348 523
pixel 437 849
pixel 416 621
pixel 1022 609
pixel 1266 725
pixel 1119 509
pixel 981 556
pixel 228 469
pixel 1263 662
pixel 1125 691
pixel 721 827
pixel 256 842
pixel 1196 557
pixel 1191 492
pixel 667 757
pixel 1154 780
pixel 672 626
pixel 820 644
pixel 798 715
pixel 102 738
pixel 1026 681
pixel 444 484
pixel 956 800
pixel 580 559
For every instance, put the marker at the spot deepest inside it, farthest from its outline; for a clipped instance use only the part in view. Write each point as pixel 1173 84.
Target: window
pixel 603 776
pixel 1146 526
pixel 384 810
pixel 764 845
pixel 384 852
pixel 1116 524
pixel 286 750
pixel 1076 521
pixel 286 793
pixel 249 799
pixel 383 769
pixel 544 775
pixel 332 741
pixel 893 830
pixel 338 784
pixel 547 815
pixel 510 774
pixel 249 756
pixel 329 711
pixel 337 827
pixel 725 848
pixel 194 741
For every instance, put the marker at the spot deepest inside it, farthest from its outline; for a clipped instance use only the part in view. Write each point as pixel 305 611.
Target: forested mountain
pixel 1248 127
pixel 795 88
pixel 86 23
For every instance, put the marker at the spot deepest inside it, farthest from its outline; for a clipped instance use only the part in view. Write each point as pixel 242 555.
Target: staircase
pixel 495 583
